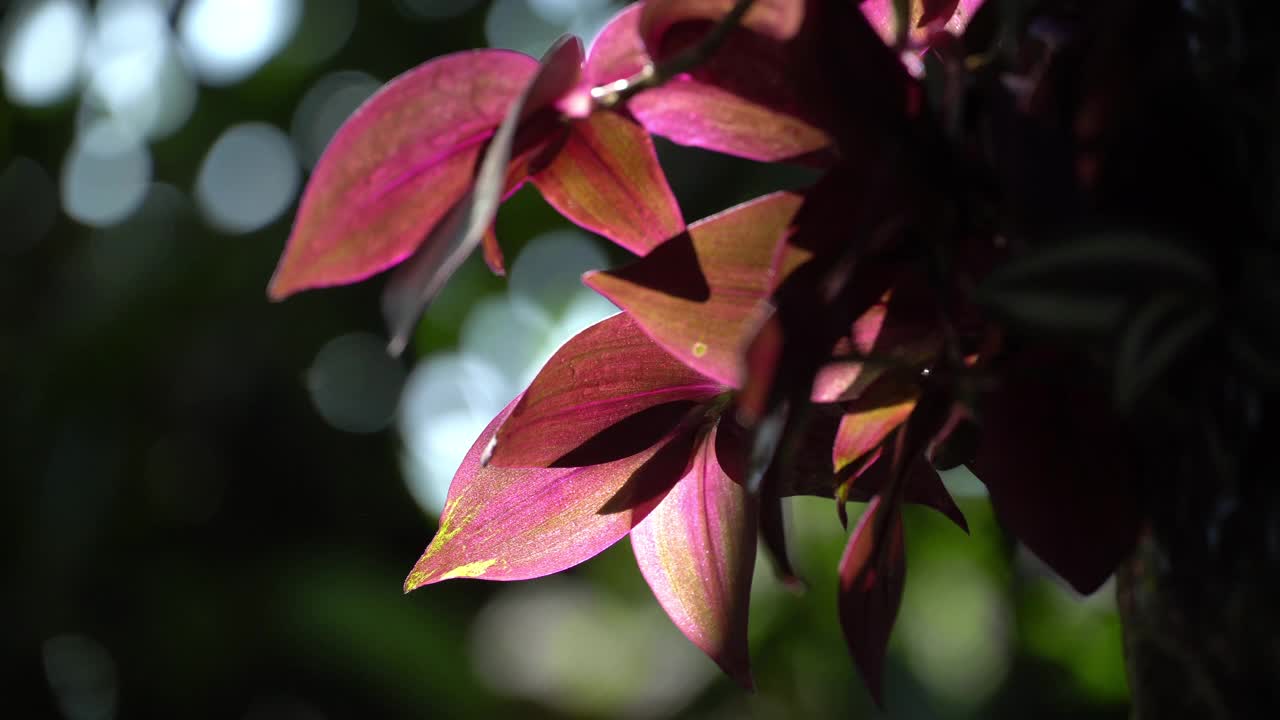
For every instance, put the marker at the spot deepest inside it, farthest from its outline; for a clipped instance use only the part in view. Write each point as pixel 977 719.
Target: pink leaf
pixel 418 280
pixel 741 102
pixel 873 571
pixel 609 373
pixel 607 179
pixel 697 550
pixel 515 524
pixel 396 167
pixel 701 295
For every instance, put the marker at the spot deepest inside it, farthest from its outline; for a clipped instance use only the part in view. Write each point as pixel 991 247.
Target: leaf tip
pixel 281 285
pixel 417 578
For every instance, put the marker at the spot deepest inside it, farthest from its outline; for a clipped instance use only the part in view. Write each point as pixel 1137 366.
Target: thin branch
pixel 653 75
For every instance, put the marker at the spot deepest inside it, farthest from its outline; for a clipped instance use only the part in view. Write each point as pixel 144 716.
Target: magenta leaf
pixel 697 549
pixel 873 571
pixel 416 282
pixel 740 102
pixel 606 178
pixel 701 295
pixel 396 167
pixel 515 524
pixel 606 374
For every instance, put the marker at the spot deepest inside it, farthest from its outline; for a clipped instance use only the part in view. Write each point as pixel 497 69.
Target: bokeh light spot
pixel 106 174
pixel 548 273
pixel 42 47
pixel 248 179
pixel 228 40
pixel 82 676
pixel 512 24
pixel 135 73
pixel 354 384
pixel 448 399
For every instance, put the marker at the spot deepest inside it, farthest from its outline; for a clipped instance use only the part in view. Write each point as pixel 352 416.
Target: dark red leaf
pixel 1059 469
pixel 873 572
pixel 777 19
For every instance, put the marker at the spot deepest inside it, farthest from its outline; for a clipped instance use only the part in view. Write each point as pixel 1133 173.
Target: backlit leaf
pixel 606 374
pixel 701 295
pixel 515 524
pixel 606 178
pixel 697 550
pixel 416 282
pixel 866 428
pixel 396 167
pixel 739 102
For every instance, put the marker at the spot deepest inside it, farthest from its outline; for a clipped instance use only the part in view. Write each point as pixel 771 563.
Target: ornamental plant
pixel 973 279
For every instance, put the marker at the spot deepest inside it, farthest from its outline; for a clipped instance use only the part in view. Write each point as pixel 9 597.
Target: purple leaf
pixel 515 524
pixel 396 167
pixel 607 179
pixel 697 550
pixel 606 374
pixel 701 295
pixel 873 571
pixel 415 283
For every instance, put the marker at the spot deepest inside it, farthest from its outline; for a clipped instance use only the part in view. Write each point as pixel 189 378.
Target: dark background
pixel 211 500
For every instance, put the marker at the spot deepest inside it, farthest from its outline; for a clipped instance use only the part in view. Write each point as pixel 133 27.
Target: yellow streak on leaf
pixel 470 570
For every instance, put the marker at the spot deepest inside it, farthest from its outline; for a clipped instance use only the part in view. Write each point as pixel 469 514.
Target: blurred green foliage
pixel 187 537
